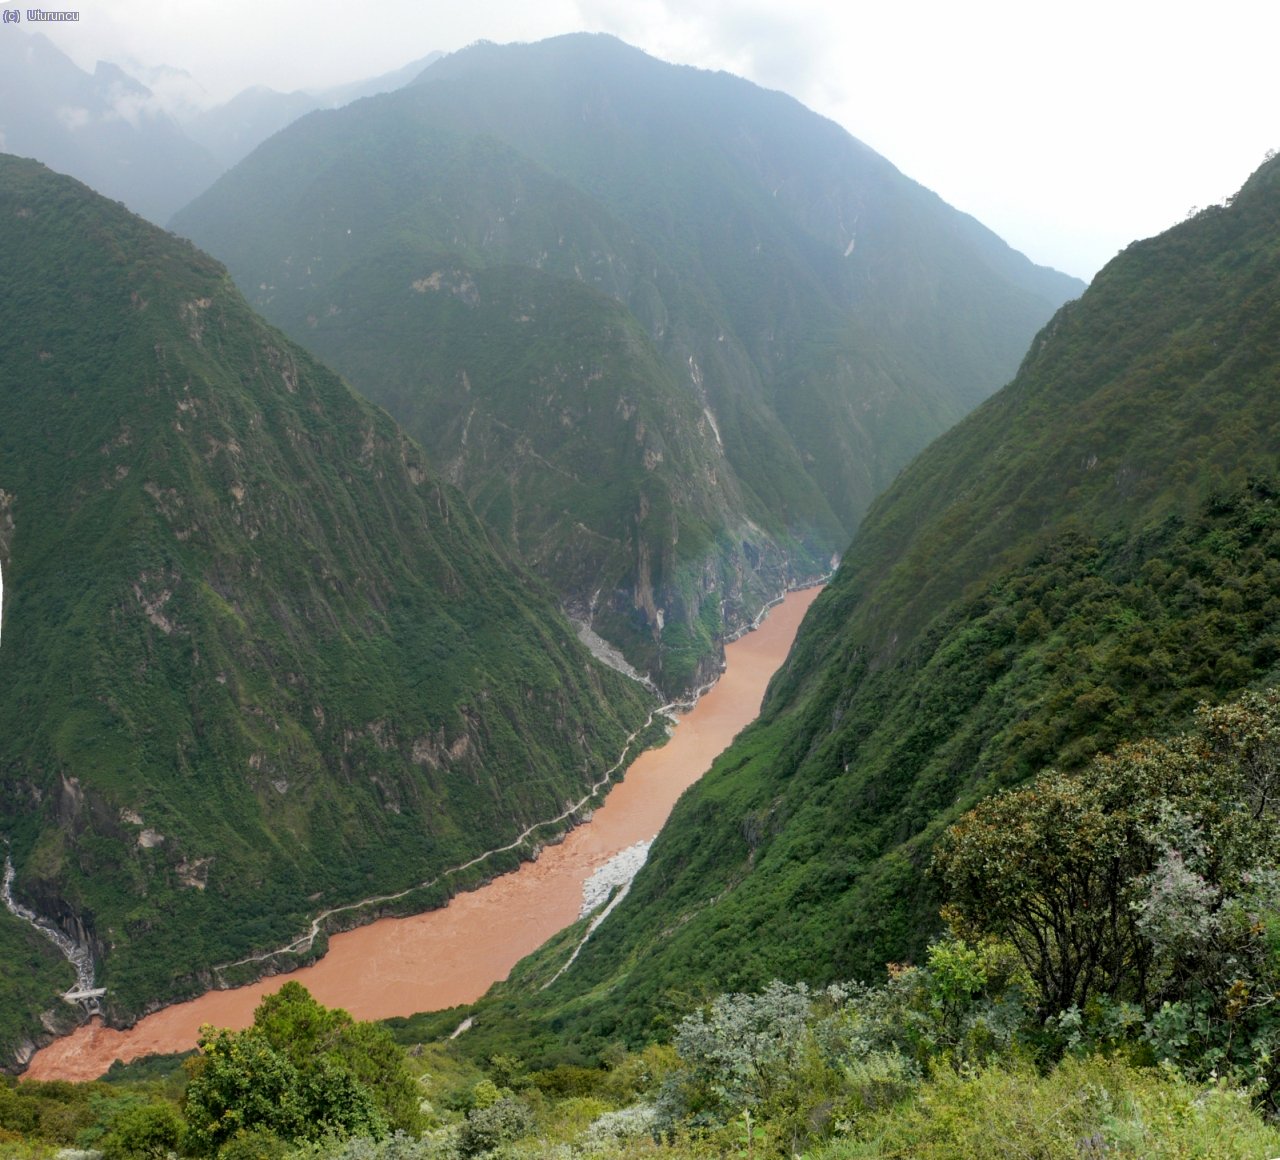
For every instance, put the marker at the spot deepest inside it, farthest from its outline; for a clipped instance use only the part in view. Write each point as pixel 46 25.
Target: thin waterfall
pixel 79 956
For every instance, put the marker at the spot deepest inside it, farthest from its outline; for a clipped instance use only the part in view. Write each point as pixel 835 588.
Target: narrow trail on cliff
pixel 305 942
pixel 435 959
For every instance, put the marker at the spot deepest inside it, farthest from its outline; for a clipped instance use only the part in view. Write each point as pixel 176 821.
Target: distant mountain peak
pixel 756 374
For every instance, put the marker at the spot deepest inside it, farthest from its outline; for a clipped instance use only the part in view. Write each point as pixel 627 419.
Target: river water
pixel 399 966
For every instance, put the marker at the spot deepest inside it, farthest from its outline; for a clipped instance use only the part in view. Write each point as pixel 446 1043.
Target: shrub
pixel 497 1123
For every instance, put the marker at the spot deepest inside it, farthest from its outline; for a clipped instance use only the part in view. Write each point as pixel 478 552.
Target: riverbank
pixel 399 966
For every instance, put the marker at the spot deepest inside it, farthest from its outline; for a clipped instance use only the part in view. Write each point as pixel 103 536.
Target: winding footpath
pixel 452 955
pixel 306 941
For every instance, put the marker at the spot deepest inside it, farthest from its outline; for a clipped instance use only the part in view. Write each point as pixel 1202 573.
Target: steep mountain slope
pixel 104 128
pixel 1082 560
pixel 258 660
pixel 816 315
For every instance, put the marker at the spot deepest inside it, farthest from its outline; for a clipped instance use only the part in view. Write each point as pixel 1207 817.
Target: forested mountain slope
pixel 1082 560
pixel 539 248
pixel 258 660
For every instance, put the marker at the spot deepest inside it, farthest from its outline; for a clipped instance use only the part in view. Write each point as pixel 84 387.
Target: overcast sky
pixel 1069 128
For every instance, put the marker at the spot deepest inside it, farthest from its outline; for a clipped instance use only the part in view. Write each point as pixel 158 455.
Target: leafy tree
pixel 486 1127
pixel 314 1038
pixel 147 1131
pixel 1053 869
pixel 1143 890
pixel 238 1083
pixel 302 1071
pixel 741 1048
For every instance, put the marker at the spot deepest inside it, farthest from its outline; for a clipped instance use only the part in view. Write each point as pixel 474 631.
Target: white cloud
pixel 73 118
pixel 176 91
pixel 1069 129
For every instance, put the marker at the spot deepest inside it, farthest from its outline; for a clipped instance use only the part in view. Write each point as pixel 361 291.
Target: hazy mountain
pixel 231 130
pixel 1081 561
pixel 105 128
pixel 775 318
pixel 235 128
pixel 145 141
pixel 258 659
pixel 388 82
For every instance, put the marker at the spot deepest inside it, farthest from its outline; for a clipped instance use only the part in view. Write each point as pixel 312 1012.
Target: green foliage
pixel 308 1034
pixel 259 660
pixel 1141 892
pixel 114 1122
pixel 35 971
pixel 1083 1108
pixel 486 1127
pixel 143 1132
pixel 1078 565
pixel 55 1112
pixel 255 1144
pixel 812 832
pixel 301 1072
pixel 782 1068
pixel 934 1062
pixel 739 1051
pixel 240 1083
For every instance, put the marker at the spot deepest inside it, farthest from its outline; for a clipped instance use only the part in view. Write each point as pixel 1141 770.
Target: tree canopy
pixel 1150 878
pixel 301 1072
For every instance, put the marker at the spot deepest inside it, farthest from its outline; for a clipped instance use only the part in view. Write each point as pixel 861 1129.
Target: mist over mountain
pixel 104 128
pixel 1080 562
pixel 154 145
pixel 782 318
pixel 259 658
pixel 233 129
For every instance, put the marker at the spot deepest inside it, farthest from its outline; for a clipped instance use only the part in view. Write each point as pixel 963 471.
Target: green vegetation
pixel 1019 778
pixel 259 661
pixel 35 973
pixel 669 332
pixel 301 1072
pixel 946 1059
pixel 1078 564
pixel 548 405
pixel 1142 891
pixel 812 832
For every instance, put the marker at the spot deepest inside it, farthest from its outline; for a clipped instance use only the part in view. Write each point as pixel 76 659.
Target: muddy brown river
pixel 399 966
